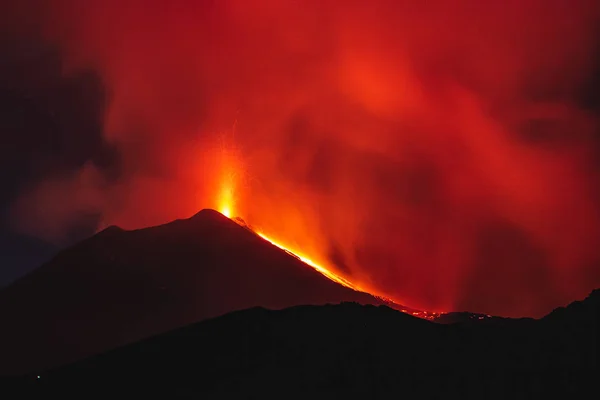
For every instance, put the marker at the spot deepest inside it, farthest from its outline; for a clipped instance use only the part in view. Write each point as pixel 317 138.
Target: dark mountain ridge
pixel 350 350
pixel 121 286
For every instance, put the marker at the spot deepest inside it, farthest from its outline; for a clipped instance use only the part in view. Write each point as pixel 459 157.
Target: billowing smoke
pixel 444 153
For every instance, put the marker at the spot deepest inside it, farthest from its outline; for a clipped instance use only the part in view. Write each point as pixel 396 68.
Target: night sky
pixel 445 154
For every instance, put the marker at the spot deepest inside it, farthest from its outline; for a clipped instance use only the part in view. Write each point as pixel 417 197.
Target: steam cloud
pixel 440 152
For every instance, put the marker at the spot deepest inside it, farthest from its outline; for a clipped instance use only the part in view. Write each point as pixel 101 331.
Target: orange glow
pixel 227 212
pixel 442 154
pixel 334 277
pixel 226 199
pixel 226 209
pixel 231 170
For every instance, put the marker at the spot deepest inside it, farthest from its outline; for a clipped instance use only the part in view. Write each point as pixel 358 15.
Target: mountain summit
pixel 121 286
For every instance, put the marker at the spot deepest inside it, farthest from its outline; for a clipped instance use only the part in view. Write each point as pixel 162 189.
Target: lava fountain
pixel 226 201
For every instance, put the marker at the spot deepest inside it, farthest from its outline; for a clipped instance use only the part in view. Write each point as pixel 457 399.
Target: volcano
pixel 207 307
pixel 121 286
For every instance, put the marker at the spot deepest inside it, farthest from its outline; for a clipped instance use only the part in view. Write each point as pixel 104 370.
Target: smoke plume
pixel 444 153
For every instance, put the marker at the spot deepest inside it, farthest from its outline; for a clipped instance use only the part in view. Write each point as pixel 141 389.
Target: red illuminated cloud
pixel 439 149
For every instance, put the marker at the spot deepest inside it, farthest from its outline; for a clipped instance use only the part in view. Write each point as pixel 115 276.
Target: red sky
pixel 438 152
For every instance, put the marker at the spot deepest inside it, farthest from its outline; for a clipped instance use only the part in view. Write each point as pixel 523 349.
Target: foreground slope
pixel 344 350
pixel 120 286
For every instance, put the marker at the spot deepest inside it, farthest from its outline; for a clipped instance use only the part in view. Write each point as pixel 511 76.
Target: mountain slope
pixel 344 350
pixel 120 286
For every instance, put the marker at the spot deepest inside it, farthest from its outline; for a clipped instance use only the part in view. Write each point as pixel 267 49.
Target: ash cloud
pixel 446 152
pixel 53 156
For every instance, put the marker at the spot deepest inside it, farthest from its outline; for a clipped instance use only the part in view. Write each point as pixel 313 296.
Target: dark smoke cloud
pixel 50 127
pixel 53 153
pixel 444 152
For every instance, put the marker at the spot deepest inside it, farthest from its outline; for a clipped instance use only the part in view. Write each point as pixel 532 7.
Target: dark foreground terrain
pixel 110 318
pixel 343 351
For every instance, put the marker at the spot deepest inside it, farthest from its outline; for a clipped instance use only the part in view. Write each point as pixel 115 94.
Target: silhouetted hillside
pixel 121 286
pixel 344 350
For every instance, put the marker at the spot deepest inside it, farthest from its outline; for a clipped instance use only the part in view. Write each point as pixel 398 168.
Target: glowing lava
pixel 225 207
pixel 342 281
pixel 334 277
pixel 229 179
pixel 231 173
pixel 226 194
pixel 226 210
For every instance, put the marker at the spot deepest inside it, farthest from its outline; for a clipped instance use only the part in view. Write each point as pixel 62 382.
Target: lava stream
pixel 226 211
pixel 334 277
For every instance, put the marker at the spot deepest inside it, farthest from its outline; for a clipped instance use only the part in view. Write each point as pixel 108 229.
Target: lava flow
pixel 231 171
pixel 345 282
pixel 334 277
pixel 226 210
